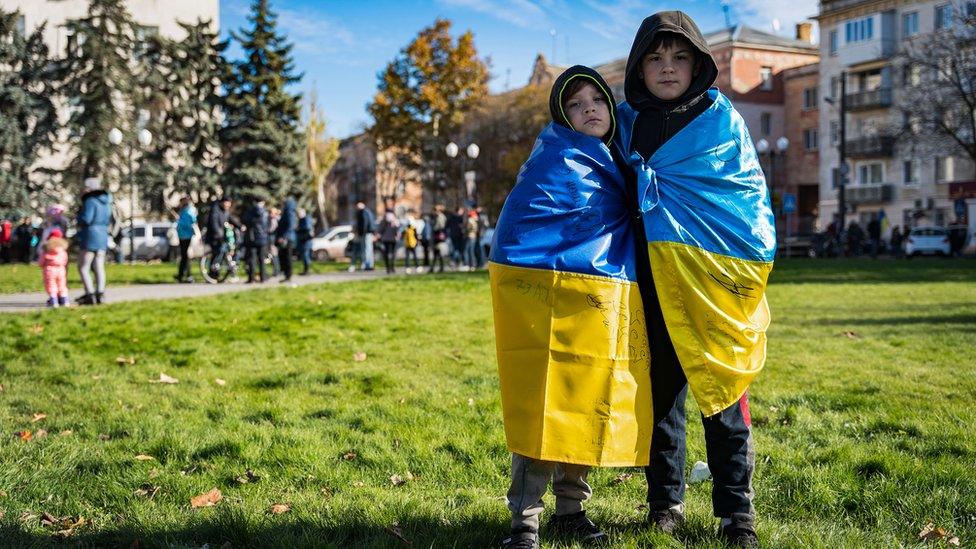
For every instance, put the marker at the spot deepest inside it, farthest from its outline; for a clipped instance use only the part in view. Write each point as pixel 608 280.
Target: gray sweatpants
pixel 530 478
pixel 85 263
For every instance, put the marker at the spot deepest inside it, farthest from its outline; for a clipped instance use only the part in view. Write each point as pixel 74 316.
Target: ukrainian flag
pixel 712 239
pixel 571 341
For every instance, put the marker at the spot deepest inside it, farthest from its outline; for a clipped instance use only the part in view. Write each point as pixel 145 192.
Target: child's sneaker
pixel 524 538
pixel 578 528
pixel 739 530
pixel 667 520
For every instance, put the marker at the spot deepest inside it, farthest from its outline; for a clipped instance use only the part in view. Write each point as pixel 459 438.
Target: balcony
pixel 869 194
pixel 873 99
pixel 873 146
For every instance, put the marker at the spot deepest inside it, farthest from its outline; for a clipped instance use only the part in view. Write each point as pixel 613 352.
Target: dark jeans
pixel 407 254
pixel 728 445
pixel 255 261
pixel 218 253
pixel 305 247
pixel 284 257
pixel 389 256
pixel 425 245
pixel 437 261
pixel 184 271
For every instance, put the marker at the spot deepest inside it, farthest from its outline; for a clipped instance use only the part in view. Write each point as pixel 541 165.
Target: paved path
pixel 138 292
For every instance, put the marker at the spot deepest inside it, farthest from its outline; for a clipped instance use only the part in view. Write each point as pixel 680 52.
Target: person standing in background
pixel 93 221
pixel 304 235
pixel 285 237
pixel 186 227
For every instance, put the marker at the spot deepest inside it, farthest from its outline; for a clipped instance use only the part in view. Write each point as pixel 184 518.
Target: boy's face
pixel 668 72
pixel 588 111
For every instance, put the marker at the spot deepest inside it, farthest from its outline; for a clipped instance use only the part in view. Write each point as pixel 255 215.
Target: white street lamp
pixel 451 149
pixel 473 151
pixel 762 146
pixel 144 138
pixel 782 144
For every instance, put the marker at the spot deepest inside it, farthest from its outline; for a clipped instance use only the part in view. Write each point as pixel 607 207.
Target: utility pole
pixel 842 168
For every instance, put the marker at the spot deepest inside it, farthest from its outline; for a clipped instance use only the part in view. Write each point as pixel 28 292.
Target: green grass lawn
pixel 18 277
pixel 863 418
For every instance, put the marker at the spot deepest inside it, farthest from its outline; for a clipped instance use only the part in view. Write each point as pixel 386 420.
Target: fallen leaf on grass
pixel 349 456
pixel 470 402
pixel 3 494
pixel 933 533
pixel 851 335
pixel 63 527
pixel 37 417
pixel 248 476
pixel 279 508
pixel 206 500
pixel 397 480
pixel 397 532
pixel 25 435
pixel 130 360
pixel 104 436
pixel 163 378
pixel 1 388
pixel 147 491
pixel 358 484
pixel 41 433
pixel 359 357
pixel 37 328
pixel 220 382
pixel 144 457
pixel 623 477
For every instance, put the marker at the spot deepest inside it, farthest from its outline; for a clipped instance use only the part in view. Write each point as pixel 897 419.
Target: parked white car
pixel 152 240
pixel 331 244
pixel 927 241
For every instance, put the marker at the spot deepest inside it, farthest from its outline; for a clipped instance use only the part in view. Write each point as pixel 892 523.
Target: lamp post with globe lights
pixel 144 137
pixel 763 148
pixel 468 187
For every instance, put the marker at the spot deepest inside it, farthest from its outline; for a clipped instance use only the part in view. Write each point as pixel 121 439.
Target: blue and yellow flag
pixel 712 240
pixel 569 324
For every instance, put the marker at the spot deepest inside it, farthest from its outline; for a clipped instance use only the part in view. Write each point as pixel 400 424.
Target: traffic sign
pixel 789 203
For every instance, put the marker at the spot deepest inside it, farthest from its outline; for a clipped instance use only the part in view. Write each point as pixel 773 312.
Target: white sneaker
pixel 351 269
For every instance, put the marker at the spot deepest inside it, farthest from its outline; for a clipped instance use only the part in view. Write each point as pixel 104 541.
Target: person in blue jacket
pixel 185 229
pixel 93 222
pixel 285 237
pixel 304 234
pixel 256 224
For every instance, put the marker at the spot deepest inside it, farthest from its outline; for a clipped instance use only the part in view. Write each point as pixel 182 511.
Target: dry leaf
pixel 37 328
pixel 206 500
pixel 408 476
pixel 1 388
pixel 397 480
pixel 953 541
pixel 359 356
pixel 25 435
pixel 358 484
pixel 623 477
pixel 279 508
pixel 397 532
pixel 933 533
pixel 220 382
pixel 3 494
pixel 147 491
pixel 349 456
pixel 851 335
pixel 144 457
pixel 41 433
pixel 37 417
pixel 470 402
pixel 130 360
pixel 163 378
pixel 104 436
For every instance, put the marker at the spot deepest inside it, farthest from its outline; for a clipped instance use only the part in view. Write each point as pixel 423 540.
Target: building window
pixel 868 174
pixel 943 16
pixel 859 30
pixel 766 76
pixel 834 132
pixel 834 87
pixel 765 123
pixel 810 139
pixel 943 169
pixel 910 169
pixel 832 48
pixel 909 24
pixel 809 99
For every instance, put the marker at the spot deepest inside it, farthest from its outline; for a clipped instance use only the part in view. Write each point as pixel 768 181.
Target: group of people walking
pixel 430 242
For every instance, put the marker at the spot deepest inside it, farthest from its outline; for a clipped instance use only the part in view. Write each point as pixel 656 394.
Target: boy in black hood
pixel 669 72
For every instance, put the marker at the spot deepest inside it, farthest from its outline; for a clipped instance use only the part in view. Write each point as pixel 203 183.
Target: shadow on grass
pixel 871 271
pixel 234 528
pixel 965 319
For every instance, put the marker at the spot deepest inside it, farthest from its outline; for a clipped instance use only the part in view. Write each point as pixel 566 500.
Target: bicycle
pixel 227 264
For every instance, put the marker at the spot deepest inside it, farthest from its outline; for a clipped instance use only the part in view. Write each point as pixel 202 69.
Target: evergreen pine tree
pixel 152 100
pixel 28 119
pixel 97 81
pixel 261 137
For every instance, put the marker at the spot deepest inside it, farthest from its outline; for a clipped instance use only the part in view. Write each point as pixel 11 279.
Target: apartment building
pixel 862 39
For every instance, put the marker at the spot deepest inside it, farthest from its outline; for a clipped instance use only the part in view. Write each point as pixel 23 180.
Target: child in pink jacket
pixel 54 266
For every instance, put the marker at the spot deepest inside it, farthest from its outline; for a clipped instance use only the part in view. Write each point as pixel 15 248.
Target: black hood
pixel 556 97
pixel 679 23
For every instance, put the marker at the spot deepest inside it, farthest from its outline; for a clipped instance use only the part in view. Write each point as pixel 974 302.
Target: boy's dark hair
pixel 576 84
pixel 668 40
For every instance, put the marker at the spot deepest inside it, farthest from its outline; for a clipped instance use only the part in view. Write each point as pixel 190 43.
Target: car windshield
pixel 928 231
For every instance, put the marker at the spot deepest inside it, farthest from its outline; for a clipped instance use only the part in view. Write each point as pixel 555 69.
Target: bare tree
pixel 938 96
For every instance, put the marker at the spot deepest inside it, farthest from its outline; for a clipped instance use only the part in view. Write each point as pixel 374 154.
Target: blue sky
pixel 342 45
